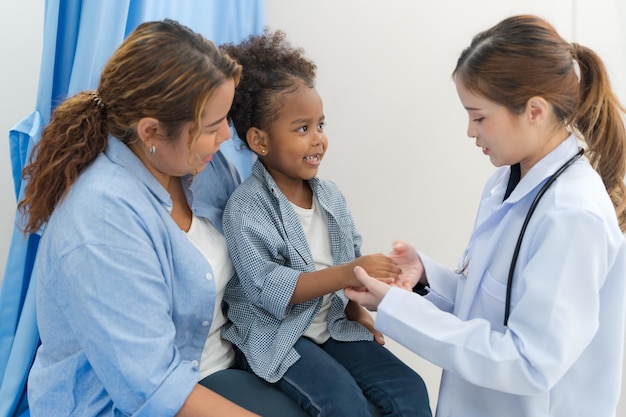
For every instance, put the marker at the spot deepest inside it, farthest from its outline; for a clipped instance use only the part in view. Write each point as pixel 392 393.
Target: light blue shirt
pixel 269 251
pixel 124 300
pixel 561 354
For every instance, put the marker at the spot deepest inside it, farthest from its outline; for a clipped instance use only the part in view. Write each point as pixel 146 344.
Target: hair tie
pixel 95 96
pixel 574 51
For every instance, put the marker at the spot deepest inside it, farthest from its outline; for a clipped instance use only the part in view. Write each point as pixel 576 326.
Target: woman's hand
pixel 407 258
pixel 373 293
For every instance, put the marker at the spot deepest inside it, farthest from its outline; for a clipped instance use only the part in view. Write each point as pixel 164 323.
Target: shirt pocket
pixel 491 301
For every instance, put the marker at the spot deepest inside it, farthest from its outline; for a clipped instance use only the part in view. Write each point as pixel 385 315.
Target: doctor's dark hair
pixel 162 70
pixel 271 69
pixel 522 57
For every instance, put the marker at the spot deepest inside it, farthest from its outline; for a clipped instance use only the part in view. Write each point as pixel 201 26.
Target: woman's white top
pixel 218 353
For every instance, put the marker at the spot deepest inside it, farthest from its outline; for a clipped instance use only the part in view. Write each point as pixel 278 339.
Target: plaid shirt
pixel 269 251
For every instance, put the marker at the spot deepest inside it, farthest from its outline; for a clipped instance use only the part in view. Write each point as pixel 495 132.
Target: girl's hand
pixel 379 266
pixel 359 314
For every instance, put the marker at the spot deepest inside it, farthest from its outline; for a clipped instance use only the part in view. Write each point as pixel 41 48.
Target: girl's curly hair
pixel 271 68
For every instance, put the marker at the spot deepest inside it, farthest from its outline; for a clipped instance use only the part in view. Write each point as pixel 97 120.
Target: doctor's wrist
pixel 421 289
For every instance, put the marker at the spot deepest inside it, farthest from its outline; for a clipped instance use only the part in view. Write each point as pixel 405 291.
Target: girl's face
pixel 176 158
pixel 497 131
pixel 296 141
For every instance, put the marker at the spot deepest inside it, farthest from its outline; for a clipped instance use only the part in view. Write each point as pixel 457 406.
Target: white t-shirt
pixel 315 226
pixel 218 353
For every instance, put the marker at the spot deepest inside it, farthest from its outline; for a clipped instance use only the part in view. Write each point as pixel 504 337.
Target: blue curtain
pixel 79 37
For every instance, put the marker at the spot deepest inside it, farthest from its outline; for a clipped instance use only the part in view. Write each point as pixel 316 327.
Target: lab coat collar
pixel 543 169
pixel 537 175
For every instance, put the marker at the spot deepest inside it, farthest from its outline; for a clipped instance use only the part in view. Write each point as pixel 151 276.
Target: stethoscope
pixel 533 205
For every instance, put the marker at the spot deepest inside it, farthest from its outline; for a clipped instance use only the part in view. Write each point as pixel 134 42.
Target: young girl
pixel 294 247
pixel 532 321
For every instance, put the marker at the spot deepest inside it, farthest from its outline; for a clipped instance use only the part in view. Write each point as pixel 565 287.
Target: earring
pixel 152 150
pixel 263 151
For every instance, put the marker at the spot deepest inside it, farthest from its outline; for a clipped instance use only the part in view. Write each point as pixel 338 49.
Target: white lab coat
pixel 561 354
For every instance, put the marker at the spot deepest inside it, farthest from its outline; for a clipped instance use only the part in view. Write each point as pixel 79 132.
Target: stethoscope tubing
pixel 531 210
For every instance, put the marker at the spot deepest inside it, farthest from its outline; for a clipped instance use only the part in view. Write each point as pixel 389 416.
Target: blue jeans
pixel 338 378
pixel 252 393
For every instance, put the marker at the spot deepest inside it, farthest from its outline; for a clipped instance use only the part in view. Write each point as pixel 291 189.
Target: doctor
pixel 555 348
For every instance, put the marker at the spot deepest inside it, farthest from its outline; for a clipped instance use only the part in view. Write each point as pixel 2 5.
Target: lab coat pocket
pixel 490 301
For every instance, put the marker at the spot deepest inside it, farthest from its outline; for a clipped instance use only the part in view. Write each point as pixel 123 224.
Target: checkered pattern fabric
pixel 269 252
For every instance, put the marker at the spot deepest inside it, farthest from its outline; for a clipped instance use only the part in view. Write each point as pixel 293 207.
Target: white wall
pixel 398 147
pixel 21 41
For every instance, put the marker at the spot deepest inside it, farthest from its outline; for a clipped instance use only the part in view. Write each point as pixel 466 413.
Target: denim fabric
pixel 369 381
pixel 252 393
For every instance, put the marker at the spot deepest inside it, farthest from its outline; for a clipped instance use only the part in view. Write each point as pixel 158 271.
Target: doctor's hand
pixel 412 268
pixel 373 293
